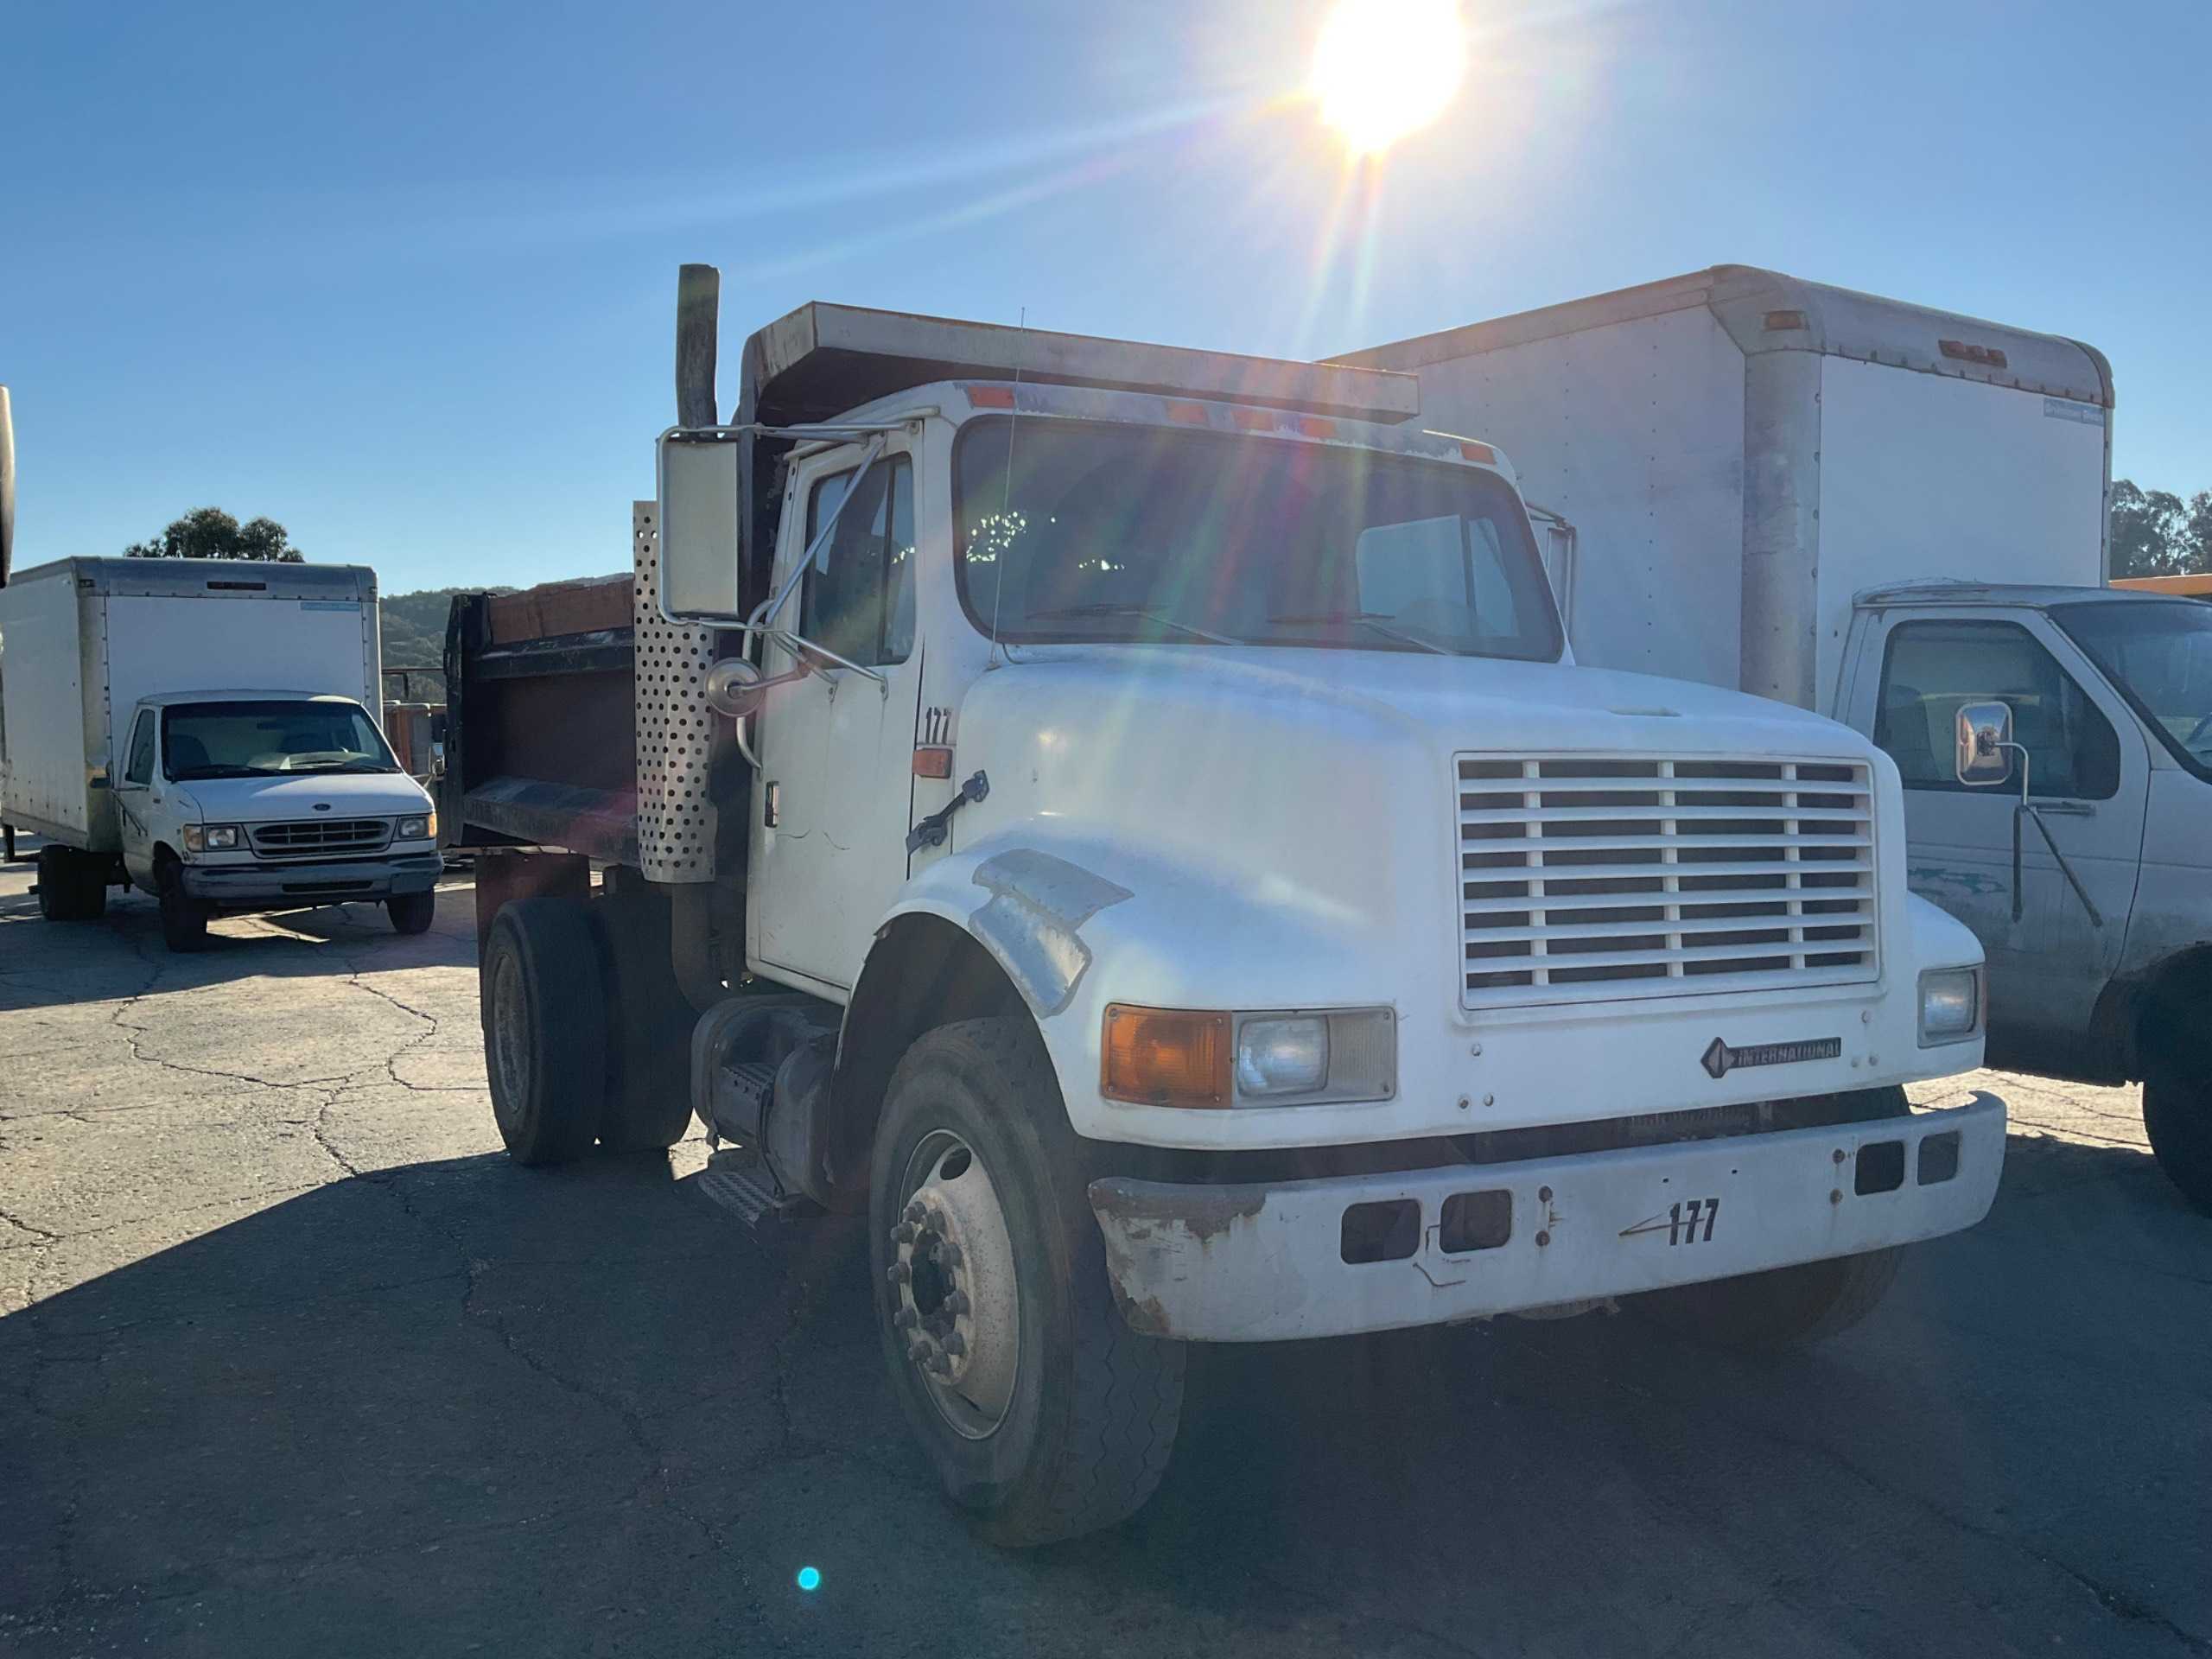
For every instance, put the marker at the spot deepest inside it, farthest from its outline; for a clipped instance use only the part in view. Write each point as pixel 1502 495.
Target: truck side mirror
pixel 1985 744
pixel 701 487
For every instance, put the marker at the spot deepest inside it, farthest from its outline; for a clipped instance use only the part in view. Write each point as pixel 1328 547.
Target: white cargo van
pixel 1890 514
pixel 201 730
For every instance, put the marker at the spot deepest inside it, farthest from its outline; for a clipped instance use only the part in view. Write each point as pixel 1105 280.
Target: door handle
pixel 2066 808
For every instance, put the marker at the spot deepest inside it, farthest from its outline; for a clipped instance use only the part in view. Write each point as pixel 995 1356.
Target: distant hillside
pixel 415 636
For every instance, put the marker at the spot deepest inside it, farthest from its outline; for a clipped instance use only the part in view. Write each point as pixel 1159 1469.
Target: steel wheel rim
pixel 508 1043
pixel 956 1309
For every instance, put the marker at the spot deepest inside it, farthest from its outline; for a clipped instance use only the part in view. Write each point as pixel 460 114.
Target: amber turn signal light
pixel 1164 1056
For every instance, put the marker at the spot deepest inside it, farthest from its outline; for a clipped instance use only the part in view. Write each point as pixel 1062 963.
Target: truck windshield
pixel 2158 653
pixel 1103 532
pixel 266 738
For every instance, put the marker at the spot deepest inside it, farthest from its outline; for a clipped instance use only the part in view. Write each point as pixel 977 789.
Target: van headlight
pixel 1950 1005
pixel 421 827
pixel 211 837
pixel 1199 1058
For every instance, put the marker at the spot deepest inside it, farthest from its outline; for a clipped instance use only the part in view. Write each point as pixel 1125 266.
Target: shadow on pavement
pixel 461 1406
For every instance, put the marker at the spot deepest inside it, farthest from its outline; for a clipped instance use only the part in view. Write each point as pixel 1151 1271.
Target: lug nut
pixel 899 1272
pixel 903 1234
pixel 915 1211
pixel 955 1344
pixel 956 1303
pixel 904 1319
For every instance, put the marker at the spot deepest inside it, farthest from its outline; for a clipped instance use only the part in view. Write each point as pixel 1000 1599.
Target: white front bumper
pixel 1265 1262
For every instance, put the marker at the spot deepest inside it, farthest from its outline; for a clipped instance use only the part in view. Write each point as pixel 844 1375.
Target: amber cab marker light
pixel 1481 452
pixel 990 396
pixel 932 761
pixel 1164 1056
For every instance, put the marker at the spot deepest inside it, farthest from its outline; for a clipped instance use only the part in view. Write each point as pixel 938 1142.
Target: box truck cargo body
pixel 1740 452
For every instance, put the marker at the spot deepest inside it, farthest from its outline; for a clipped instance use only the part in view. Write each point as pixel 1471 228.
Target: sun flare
pixel 1383 68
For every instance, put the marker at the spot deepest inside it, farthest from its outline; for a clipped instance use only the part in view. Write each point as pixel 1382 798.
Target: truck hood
pixel 1303 778
pixel 1462 703
pixel 259 800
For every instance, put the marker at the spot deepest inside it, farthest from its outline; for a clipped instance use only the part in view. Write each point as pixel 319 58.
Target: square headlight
pixel 1282 1056
pixel 418 829
pixel 1950 1005
pixel 211 837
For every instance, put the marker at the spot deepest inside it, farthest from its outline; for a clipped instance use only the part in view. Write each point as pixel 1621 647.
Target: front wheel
pixel 2177 1116
pixel 1040 1410
pixel 184 923
pixel 411 913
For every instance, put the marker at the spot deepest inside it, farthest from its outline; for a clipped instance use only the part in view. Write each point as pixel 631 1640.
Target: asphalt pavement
pixel 292 1360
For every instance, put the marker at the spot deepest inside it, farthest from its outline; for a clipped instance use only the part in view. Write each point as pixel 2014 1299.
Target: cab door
pixel 134 801
pixel 834 793
pixel 2088 778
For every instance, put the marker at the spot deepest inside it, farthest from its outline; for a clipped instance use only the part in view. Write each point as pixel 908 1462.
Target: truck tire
pixel 543 1001
pixel 2177 1116
pixel 72 886
pixel 649 1097
pixel 1786 1308
pixel 411 913
pixel 1040 1410
pixel 184 924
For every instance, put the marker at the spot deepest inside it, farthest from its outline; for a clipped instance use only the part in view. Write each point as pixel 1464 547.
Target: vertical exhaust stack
pixel 698 321
pixel 7 488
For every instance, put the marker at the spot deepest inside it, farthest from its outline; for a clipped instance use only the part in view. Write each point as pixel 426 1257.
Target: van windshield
pixel 2158 653
pixel 267 739
pixel 1073 529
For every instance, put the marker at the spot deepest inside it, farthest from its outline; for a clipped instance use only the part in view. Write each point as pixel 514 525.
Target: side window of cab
pixel 861 606
pixel 138 770
pixel 1931 668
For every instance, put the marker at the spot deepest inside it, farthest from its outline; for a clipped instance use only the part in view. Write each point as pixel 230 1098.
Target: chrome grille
pixel 1586 878
pixel 320 835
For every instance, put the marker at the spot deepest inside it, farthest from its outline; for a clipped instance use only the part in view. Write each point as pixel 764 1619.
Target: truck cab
pixel 1129 823
pixel 2080 862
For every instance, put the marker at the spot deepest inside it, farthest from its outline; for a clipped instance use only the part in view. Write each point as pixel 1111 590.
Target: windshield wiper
pixel 1366 620
pixel 1104 607
pixel 219 770
pixel 346 766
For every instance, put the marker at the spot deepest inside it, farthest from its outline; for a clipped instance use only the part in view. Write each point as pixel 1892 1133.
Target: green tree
pixel 211 533
pixel 2150 533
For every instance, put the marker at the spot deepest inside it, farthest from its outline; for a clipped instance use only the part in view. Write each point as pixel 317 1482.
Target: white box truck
pixel 200 730
pixel 1889 514
pixel 1127 820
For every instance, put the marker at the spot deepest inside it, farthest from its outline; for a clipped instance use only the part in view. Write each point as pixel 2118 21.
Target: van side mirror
pixel 701 488
pixel 1985 744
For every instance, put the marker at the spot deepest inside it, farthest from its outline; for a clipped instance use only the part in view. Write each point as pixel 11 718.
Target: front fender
pixel 1077 924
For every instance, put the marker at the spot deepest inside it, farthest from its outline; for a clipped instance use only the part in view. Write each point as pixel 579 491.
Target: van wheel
pixel 72 886
pixel 1787 1307
pixel 542 1002
pixel 1040 1410
pixel 184 924
pixel 2177 1116
pixel 411 913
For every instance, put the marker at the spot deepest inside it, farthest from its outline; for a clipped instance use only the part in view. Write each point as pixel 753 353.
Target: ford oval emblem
pixel 322 807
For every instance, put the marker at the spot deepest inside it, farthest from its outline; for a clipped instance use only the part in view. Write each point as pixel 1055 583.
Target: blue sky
pixel 402 276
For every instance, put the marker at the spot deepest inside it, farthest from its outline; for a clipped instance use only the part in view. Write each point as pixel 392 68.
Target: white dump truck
pixel 200 730
pixel 1887 513
pixel 1128 821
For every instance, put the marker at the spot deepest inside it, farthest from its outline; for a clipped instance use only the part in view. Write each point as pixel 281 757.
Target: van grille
pixel 1586 878
pixel 319 836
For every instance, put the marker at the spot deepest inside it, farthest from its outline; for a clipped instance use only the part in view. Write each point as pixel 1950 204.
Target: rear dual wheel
pixel 581 1042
